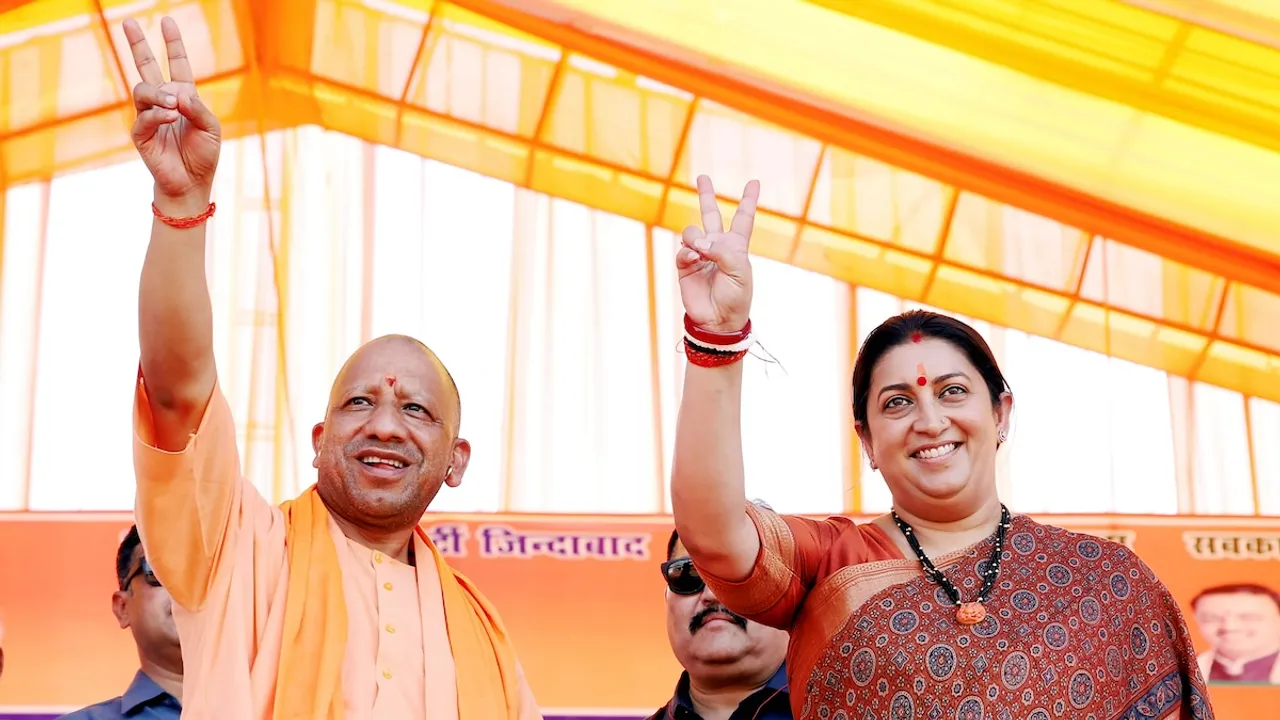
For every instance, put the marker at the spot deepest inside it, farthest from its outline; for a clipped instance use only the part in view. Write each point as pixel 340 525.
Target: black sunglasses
pixel 682 577
pixel 144 569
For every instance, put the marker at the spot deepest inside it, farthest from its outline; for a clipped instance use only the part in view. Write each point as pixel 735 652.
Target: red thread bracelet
pixel 711 338
pixel 184 222
pixel 703 357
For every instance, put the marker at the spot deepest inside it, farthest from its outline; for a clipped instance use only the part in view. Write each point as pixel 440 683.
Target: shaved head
pixel 410 341
pixel 389 439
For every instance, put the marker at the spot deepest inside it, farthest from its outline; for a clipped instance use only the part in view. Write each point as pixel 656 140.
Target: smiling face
pixel 1240 625
pixel 931 429
pixel 390 436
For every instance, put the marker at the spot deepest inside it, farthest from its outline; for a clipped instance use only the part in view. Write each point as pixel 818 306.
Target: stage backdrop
pixel 582 597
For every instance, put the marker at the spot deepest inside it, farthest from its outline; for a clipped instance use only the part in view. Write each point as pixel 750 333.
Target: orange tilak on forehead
pixel 923 379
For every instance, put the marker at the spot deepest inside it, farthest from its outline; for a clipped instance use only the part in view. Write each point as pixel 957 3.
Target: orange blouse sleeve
pixel 792 550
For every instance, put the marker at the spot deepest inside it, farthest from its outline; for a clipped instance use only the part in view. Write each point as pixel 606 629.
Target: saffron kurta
pixel 219 548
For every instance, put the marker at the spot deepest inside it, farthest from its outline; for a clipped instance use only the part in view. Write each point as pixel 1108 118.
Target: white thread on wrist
pixel 746 343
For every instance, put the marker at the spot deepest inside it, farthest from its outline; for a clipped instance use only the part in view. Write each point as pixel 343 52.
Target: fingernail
pixel 169 101
pixel 703 245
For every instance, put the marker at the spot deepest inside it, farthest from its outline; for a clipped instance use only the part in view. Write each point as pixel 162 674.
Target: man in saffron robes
pixel 335 605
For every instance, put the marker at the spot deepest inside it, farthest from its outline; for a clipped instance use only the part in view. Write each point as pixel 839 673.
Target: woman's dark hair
pixel 900 329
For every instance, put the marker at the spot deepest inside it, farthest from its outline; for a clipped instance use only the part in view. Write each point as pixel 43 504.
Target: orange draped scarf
pixel 309 683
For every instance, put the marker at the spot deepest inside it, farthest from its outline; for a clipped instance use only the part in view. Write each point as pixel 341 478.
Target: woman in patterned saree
pixel 947 607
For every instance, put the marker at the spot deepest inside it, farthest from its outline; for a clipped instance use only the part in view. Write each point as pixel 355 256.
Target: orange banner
pixel 582 597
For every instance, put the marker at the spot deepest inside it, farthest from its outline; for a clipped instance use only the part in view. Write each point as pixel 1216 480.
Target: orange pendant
pixel 970 613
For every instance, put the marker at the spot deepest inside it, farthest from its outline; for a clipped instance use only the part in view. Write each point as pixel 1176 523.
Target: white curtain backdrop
pixel 561 326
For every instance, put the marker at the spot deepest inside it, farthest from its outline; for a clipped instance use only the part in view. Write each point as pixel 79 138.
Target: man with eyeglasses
pixel 144 607
pixel 734 669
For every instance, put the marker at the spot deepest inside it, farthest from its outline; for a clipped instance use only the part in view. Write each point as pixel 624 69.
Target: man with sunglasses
pixel 144 607
pixel 733 667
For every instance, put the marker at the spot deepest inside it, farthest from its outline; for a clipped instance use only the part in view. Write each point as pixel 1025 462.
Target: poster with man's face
pixel 1241 623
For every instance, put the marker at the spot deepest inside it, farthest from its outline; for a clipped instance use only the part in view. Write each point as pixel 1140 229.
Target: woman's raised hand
pixel 715 270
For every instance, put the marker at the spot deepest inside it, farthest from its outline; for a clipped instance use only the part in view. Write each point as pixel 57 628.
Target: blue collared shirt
pixel 144 700
pixel 771 702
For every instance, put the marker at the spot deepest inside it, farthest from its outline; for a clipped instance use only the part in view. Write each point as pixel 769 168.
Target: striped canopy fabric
pixel 1101 172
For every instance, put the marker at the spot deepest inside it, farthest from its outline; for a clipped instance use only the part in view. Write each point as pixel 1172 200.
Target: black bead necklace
pixel 967 613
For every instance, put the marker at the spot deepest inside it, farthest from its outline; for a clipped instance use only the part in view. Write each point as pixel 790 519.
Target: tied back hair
pixel 901 329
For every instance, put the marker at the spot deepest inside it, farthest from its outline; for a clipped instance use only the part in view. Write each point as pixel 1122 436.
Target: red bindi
pixel 922 380
pixel 391 381
pixel 916 337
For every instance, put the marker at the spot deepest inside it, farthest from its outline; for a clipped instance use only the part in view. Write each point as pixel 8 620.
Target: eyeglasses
pixel 144 569
pixel 682 577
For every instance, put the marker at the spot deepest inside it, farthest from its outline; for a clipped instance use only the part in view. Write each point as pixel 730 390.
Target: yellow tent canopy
pixel 1101 172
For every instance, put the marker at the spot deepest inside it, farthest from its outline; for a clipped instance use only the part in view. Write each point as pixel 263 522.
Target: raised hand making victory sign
pixel 931 409
pixel 715 272
pixel 238 566
pixel 707 479
pixel 178 138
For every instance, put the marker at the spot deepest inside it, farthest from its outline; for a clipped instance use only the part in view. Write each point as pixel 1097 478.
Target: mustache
pixel 700 618
pixel 404 450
